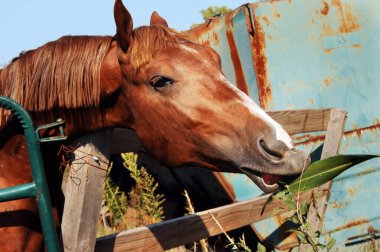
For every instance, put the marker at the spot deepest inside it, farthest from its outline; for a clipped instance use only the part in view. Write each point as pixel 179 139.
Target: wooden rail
pixel 302 121
pixel 184 230
pixel 79 228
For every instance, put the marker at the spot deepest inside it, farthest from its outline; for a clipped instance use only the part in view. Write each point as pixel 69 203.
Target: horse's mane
pixel 148 40
pixel 61 74
pixel 64 74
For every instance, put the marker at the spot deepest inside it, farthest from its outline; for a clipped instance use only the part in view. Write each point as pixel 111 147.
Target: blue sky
pixel 27 24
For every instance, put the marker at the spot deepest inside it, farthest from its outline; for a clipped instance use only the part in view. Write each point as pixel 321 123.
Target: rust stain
pixel 265 19
pixel 369 171
pixel 325 9
pixel 230 19
pixel 239 73
pixel 197 32
pixel 352 191
pixel 357 46
pixel 216 38
pixel 350 224
pixel 309 139
pixel 348 21
pixel 327 82
pixel 358 132
pixel 206 43
pixel 328 30
pixel 260 65
pixel 335 205
pixel 328 51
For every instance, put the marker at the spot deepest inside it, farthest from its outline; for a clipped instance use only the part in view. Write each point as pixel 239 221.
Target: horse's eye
pixel 159 82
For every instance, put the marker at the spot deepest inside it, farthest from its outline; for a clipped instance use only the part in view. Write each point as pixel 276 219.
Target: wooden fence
pixel 84 192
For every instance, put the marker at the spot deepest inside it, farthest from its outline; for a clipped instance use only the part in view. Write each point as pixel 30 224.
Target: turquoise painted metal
pixel 38 188
pixel 297 54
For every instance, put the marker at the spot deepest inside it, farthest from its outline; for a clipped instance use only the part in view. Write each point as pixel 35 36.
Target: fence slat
pixel 176 232
pixel 84 192
pixel 302 121
pixel 334 135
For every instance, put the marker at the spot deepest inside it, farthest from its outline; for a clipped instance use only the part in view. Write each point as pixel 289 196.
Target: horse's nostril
pixel 271 151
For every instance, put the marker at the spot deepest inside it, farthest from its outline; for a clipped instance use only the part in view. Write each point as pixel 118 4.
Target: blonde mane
pixel 61 74
pixel 64 74
pixel 148 40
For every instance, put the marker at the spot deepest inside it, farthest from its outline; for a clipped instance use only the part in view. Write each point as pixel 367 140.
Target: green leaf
pixel 307 225
pixel 301 237
pixel 330 243
pixel 325 170
pixel 303 208
pixel 260 247
pixel 321 246
pixel 290 203
pixel 294 218
pixel 310 240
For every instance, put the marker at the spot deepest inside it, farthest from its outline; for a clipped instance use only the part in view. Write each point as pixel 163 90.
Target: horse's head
pixel 187 113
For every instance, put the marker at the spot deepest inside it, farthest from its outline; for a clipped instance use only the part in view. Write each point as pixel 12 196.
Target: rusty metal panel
pixel 297 54
pixel 225 36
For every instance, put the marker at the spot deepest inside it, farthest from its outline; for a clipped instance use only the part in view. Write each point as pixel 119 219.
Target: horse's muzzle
pixel 277 162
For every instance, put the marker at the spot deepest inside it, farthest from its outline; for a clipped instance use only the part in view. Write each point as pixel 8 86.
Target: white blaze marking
pixel 188 49
pixel 281 134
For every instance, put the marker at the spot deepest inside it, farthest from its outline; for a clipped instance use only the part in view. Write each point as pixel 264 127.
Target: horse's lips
pixel 270 179
pixel 265 181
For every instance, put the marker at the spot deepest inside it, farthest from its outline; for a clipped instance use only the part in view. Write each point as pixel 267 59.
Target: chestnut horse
pixel 151 79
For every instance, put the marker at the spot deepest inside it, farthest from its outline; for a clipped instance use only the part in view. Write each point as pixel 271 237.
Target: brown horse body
pixel 171 91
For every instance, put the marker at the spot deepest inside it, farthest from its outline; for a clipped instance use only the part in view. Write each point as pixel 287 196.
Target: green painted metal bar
pixel 38 173
pixel 28 190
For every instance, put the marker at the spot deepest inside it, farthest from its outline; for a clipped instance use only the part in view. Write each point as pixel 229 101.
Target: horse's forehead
pixel 195 54
pixel 189 49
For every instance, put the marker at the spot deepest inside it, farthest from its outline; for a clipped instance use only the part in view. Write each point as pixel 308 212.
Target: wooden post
pixel 84 192
pixel 317 209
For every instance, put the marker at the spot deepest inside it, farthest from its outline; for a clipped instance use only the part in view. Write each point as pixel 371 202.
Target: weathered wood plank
pixel 84 192
pixel 334 135
pixel 302 121
pixel 172 233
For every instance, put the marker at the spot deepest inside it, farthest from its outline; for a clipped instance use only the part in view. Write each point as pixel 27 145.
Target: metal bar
pixel 38 173
pixel 28 190
pixel 58 124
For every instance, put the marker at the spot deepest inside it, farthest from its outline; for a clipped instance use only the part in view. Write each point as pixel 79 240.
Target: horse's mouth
pixel 266 182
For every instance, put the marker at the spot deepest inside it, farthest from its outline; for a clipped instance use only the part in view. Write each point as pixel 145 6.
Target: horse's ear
pixel 124 25
pixel 156 19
